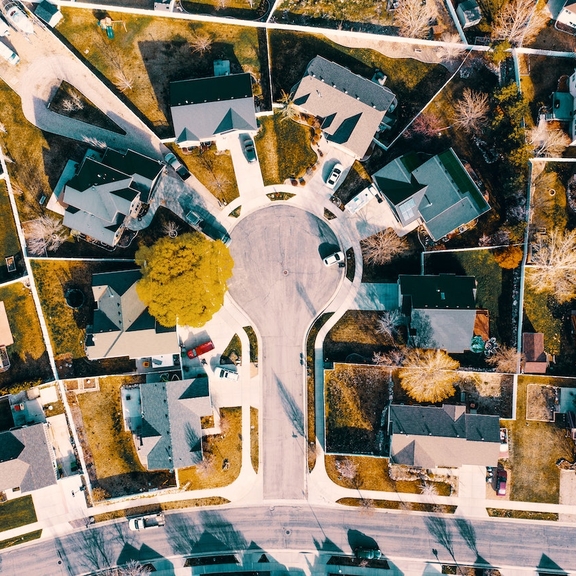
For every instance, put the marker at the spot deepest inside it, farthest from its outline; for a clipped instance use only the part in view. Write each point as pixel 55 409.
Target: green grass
pixel 283 149
pixel 9 243
pixel 16 513
pixel 20 539
pixel 535 449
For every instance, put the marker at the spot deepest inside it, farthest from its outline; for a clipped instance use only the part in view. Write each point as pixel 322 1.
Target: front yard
pixel 16 513
pixel 111 458
pixel 28 357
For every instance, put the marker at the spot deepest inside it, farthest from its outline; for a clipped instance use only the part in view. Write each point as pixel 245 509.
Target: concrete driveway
pixel 282 285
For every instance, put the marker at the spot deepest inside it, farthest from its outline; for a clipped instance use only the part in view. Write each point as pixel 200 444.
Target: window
pixel 408 209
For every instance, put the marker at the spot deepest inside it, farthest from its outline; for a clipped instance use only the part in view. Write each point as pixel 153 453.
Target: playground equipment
pixel 107 24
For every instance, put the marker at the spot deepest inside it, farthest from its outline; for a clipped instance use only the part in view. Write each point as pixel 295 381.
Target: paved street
pixel 281 283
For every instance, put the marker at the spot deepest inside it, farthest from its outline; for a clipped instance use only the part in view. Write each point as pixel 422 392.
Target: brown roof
pixel 482 324
pixel 533 347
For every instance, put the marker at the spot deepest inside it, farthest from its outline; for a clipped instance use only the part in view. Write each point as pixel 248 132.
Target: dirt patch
pixel 493 393
pixel 541 402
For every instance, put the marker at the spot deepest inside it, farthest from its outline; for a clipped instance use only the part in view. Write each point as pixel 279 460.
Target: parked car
pixel 226 373
pixel 334 258
pixel 144 522
pixel 200 349
pixel 335 175
pixel 367 553
pixel 248 147
pixel 181 170
pixel 501 479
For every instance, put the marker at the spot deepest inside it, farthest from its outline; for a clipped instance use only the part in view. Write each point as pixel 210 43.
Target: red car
pixel 200 349
pixel 501 479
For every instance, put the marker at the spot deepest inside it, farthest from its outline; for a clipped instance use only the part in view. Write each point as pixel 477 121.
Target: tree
pixel 134 568
pixel 518 21
pixel 184 278
pixel 505 360
pixel 393 358
pixel 428 375
pixel 548 142
pixel 383 247
pixel 170 228
pixel 201 42
pixel 451 48
pixel 388 323
pixel 123 82
pixel 289 109
pixel 426 124
pixel 553 265
pixel 45 234
pixel 471 110
pixel 413 18
pixel 509 257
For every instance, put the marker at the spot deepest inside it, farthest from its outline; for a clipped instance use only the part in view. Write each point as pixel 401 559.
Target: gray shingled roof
pixel 430 436
pixel 352 107
pixel 26 459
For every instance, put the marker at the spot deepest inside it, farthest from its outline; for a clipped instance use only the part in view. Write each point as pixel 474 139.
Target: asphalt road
pixel 282 285
pixel 301 528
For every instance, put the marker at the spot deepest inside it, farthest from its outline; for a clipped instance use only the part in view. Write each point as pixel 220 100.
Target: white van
pixel 8 54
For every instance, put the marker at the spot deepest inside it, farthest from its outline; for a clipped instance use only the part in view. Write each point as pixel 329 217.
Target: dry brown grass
pixel 254 439
pixel 397 505
pixel 226 446
pixel 540 403
pixel 358 326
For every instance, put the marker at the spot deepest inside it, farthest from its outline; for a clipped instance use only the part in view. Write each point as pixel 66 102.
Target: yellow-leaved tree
pixel 184 278
pixel 428 375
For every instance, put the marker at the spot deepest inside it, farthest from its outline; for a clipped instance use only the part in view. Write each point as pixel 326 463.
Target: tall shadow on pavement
pixel 327 545
pixel 441 532
pixel 219 534
pixel 548 566
pixel 182 534
pixel 95 547
pixel 291 407
pixel 359 539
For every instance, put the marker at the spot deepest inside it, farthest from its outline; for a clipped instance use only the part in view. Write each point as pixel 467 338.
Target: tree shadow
pixel 182 534
pixel 441 532
pixel 466 530
pixel 222 531
pixel 291 408
pixel 327 545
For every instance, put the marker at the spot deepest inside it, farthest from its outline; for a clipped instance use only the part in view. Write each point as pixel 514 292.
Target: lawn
pixel 38 158
pixel 356 397
pixel 28 356
pixel 28 537
pixel 152 52
pixel 214 169
pixel 222 455
pixel 254 446
pixel 495 285
pixel 224 8
pixel 398 505
pixel 9 243
pixel 549 197
pixel 109 450
pixel 535 447
pixel 283 149
pixel 16 513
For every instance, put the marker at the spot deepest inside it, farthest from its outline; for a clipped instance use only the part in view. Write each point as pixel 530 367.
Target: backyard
pixel 151 54
pixel 28 357
pixel 535 448
pixel 222 455
pixel 110 454
pixel 16 513
pixel 284 149
pixel 9 243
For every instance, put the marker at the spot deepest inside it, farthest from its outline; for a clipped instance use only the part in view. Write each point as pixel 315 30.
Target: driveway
pixel 282 285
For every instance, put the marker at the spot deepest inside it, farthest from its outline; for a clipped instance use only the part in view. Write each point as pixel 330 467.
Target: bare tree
pixel 383 247
pixel 201 42
pixel 518 21
pixel 46 233
pixel 3 128
pixel 289 110
pixel 471 110
pixel 412 17
pixel 206 466
pixel 134 568
pixel 548 142
pixel 553 265
pixel 93 141
pixel 123 82
pixel 393 358
pixel 426 124
pixel 347 468
pixel 451 48
pixel 170 228
pixel 505 360
pixel 428 375
pixel 388 323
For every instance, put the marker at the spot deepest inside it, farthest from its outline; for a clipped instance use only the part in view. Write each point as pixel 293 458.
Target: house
pixel 105 191
pixel 563 105
pixel 438 193
pixel 567 15
pixel 447 437
pixel 441 311
pixel 351 109
pixel 204 108
pixel 535 357
pixel 26 458
pixel 468 13
pixel 164 418
pixel 48 12
pixel 6 338
pixel 121 324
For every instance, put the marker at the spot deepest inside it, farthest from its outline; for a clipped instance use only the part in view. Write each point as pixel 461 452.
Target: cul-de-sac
pixel 288 287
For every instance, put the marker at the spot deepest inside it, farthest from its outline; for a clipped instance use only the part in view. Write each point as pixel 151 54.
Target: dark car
pixel 181 170
pixel 248 147
pixel 501 480
pixel 367 553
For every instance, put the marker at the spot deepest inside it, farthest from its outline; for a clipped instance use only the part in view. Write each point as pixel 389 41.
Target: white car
pixel 226 373
pixel 334 258
pixel 335 175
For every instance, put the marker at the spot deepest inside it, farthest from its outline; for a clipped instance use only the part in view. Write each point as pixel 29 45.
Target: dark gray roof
pixel 26 459
pixel 132 163
pixel 45 10
pixel 119 281
pixel 445 291
pixel 351 84
pixel 213 89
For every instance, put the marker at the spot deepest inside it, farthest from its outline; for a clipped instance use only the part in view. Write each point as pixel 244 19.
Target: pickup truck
pixel 200 349
pixel 145 522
